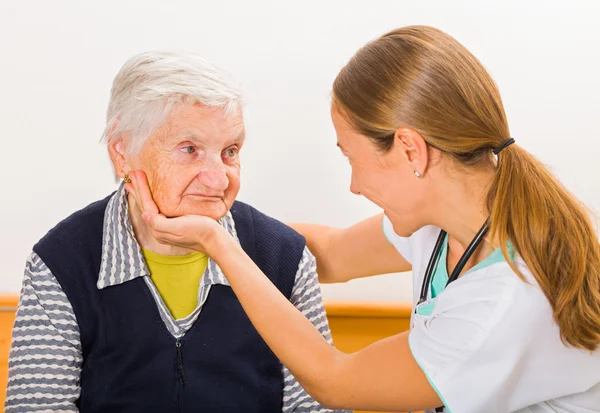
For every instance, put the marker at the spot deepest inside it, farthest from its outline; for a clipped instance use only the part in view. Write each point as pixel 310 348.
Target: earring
pixel 418 174
pixel 127 179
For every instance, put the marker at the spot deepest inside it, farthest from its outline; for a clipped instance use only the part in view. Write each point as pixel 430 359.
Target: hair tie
pixel 506 144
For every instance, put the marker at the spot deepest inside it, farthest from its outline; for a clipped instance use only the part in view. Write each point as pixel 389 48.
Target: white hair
pixel 150 84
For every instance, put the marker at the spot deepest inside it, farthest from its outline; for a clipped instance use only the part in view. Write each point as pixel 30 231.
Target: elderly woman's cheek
pixel 166 183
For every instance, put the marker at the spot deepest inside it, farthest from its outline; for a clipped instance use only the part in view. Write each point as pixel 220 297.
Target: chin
pixel 404 228
pixel 403 233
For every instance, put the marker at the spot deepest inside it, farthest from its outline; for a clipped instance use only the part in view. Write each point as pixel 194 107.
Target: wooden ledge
pixel 367 309
pixel 334 308
pixel 9 302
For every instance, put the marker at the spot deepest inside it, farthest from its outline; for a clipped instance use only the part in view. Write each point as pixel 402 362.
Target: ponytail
pixel 553 233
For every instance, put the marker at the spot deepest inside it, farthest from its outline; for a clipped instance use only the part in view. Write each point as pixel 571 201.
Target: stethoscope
pixel 459 266
pixel 455 272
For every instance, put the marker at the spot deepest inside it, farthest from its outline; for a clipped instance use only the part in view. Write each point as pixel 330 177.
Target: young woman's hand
pixel 195 232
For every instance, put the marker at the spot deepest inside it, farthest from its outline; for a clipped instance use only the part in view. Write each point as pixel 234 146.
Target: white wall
pixel 58 59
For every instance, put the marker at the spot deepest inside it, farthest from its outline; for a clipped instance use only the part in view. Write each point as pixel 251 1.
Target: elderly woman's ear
pixel 117 150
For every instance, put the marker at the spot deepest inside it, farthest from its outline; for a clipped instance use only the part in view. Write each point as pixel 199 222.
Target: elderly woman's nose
pixel 214 176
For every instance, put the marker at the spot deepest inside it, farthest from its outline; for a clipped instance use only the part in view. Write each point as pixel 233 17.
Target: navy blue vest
pixel 131 363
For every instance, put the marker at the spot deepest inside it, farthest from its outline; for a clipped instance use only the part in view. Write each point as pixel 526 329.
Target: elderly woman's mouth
pixel 204 197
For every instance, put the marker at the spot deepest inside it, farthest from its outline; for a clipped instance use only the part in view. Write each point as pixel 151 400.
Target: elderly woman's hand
pixel 195 232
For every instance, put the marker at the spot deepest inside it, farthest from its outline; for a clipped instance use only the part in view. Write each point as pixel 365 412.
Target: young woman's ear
pixel 413 148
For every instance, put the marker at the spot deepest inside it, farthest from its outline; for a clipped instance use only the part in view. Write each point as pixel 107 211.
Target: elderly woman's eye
pixel 231 152
pixel 188 149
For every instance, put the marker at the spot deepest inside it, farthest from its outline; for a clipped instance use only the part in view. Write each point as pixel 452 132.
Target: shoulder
pixel 247 217
pixel 75 243
pixel 276 248
pixel 80 224
pixel 414 247
pixel 39 278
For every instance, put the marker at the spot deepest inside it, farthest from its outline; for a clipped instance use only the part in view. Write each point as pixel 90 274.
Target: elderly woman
pixel 111 320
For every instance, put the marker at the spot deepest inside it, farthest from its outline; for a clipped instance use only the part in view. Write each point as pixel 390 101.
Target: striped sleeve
pixel 306 296
pixel 45 358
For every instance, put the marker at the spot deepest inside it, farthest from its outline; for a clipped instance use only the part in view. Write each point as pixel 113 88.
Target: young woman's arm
pixel 358 251
pixel 383 376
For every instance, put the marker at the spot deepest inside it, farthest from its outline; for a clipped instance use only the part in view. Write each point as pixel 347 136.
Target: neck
pixel 143 233
pixel 463 211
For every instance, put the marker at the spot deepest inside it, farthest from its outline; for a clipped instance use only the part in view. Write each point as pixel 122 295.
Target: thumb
pixel 157 221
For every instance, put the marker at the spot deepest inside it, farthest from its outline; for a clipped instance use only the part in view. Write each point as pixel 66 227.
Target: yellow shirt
pixel 177 279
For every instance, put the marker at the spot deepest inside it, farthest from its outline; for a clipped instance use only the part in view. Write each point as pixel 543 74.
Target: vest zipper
pixel 180 363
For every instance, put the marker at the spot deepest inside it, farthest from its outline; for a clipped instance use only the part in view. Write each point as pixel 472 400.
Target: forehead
pixel 338 119
pixel 203 123
pixel 347 137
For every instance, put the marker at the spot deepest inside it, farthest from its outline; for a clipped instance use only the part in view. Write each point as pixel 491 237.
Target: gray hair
pixel 149 85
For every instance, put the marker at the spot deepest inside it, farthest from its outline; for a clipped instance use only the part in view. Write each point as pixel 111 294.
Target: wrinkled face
pixel 386 179
pixel 192 161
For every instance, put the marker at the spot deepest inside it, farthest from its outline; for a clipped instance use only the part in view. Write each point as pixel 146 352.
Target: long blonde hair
pixel 420 77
